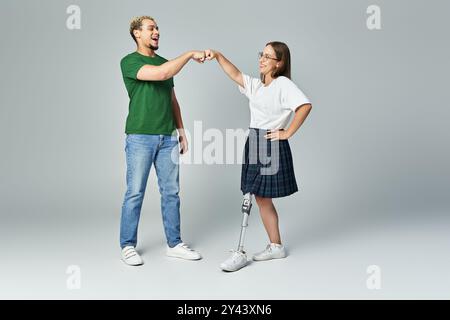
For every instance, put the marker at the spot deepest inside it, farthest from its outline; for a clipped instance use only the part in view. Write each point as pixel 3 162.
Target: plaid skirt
pixel 267 167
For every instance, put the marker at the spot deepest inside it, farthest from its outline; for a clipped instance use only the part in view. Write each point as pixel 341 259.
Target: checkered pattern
pixel 267 169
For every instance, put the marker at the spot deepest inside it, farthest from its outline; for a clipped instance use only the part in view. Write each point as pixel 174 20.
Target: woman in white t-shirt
pixel 267 170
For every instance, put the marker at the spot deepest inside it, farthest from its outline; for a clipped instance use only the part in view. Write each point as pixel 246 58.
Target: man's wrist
pixel 181 132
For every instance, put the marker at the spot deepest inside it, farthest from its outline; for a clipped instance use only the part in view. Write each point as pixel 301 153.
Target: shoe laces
pixel 185 246
pixel 236 254
pixel 129 252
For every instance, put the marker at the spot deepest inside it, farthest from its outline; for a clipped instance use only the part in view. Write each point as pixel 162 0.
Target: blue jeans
pixel 143 150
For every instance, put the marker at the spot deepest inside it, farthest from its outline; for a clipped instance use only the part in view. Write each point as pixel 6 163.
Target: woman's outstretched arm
pixel 229 68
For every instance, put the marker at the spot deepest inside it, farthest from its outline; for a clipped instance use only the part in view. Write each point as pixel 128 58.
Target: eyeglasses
pixel 266 56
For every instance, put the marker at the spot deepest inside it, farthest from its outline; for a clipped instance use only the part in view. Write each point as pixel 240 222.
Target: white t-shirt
pixel 271 106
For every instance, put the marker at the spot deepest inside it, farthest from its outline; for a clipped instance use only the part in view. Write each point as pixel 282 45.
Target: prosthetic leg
pixel 238 258
pixel 246 207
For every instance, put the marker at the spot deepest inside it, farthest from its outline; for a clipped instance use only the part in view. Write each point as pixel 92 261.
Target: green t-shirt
pixel 150 107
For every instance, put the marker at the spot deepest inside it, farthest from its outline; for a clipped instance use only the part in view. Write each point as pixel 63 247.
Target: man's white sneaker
pixel 182 251
pixel 237 260
pixel 131 257
pixel 272 251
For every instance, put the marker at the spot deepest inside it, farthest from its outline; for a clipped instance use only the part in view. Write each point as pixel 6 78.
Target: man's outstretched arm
pixel 170 68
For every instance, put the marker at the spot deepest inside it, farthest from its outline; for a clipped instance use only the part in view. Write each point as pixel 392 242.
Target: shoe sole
pixel 273 258
pixel 184 258
pixel 228 270
pixel 133 265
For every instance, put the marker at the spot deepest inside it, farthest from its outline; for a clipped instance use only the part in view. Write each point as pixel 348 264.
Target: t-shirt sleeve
pixel 291 96
pixel 250 85
pixel 130 67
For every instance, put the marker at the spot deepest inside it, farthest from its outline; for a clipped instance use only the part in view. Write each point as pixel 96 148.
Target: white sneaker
pixel 131 257
pixel 182 251
pixel 272 251
pixel 237 260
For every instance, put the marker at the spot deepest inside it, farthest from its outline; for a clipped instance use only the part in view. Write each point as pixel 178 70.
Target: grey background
pixel 371 160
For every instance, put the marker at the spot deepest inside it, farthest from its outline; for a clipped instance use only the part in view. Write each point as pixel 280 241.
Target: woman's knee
pixel 263 202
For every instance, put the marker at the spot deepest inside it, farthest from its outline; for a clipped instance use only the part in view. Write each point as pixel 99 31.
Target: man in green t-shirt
pixel 153 119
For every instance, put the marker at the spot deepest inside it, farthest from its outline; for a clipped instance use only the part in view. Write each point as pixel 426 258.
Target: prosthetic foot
pixel 238 258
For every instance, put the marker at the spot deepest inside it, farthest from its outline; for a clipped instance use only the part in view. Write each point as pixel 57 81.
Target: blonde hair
pixel 136 24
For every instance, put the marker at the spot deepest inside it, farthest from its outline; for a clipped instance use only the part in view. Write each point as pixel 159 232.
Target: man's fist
pixel 198 56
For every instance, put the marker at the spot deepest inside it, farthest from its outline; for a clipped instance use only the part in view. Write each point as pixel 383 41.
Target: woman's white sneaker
pixel 183 251
pixel 131 257
pixel 237 261
pixel 272 251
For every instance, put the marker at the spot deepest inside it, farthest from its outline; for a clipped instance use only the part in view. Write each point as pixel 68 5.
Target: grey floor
pixel 328 256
